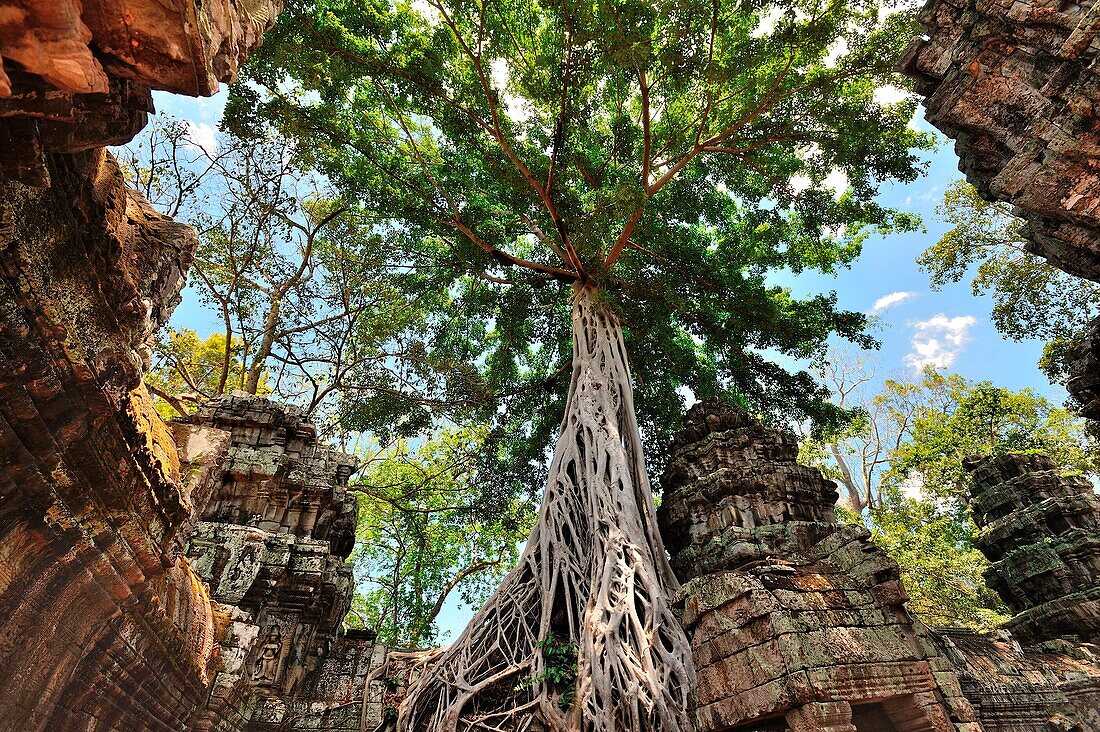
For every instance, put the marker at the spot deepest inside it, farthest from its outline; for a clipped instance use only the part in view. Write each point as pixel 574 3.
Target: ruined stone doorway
pixel 872 718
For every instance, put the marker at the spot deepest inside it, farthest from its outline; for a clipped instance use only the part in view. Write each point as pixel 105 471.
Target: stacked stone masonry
pixel 1083 370
pixel 271 544
pixel 796 623
pixel 800 624
pixel 1016 84
pixel 77 74
pixel 1041 531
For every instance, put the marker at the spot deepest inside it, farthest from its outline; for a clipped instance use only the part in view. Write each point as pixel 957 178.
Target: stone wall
pixel 1041 530
pixel 271 544
pixel 1048 687
pixel 104 623
pixel 93 588
pixel 1083 371
pixel 78 74
pixel 1015 83
pixel 796 623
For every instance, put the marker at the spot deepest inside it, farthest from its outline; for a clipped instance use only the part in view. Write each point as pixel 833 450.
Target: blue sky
pixel 950 328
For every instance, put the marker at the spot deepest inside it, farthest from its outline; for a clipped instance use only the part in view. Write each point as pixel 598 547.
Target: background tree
pixel 941 569
pixel 645 164
pixel 919 488
pixel 858 453
pixel 187 370
pixel 304 285
pixel 1031 299
pixel 425 534
pixel 963 418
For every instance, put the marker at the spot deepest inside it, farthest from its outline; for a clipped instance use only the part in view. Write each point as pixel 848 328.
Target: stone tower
pixel 271 544
pixel 796 623
pixel 1041 530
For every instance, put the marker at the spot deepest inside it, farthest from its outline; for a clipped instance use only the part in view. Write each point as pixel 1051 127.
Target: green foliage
pixel 941 570
pixel 301 284
pixel 671 155
pixel 188 370
pixel 425 533
pixel 1031 299
pixel 961 418
pixel 909 446
pixel 559 658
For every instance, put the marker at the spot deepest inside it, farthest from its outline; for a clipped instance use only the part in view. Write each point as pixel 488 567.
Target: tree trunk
pixel 593 572
pixel 252 383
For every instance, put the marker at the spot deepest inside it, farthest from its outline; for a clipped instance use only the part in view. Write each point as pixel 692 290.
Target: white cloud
pixel 913 486
pixel 202 136
pixel 517 109
pixel 836 51
pixel 938 341
pixel 888 301
pixel 499 74
pixel 800 183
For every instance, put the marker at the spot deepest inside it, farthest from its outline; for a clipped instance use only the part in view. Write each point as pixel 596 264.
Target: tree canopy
pixel 425 536
pixel 188 370
pixel 300 282
pixel 960 418
pixel 669 154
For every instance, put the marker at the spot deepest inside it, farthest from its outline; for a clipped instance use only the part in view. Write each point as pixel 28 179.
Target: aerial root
pixel 593 573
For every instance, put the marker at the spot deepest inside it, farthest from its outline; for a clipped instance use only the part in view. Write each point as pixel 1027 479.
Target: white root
pixel 593 572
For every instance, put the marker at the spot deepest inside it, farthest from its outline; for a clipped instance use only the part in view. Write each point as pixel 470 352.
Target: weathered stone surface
pixel 1016 84
pixel 1052 686
pixel 96 601
pixel 1083 368
pixel 795 623
pixel 1041 530
pixel 274 538
pixel 77 74
pixel 357 688
pixel 798 624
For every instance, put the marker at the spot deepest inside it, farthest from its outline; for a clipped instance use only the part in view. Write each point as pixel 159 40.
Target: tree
pixel 907 450
pixel 942 571
pixel 187 371
pixel 858 454
pixel 644 165
pixel 302 283
pixel 966 418
pixel 425 533
pixel 1031 299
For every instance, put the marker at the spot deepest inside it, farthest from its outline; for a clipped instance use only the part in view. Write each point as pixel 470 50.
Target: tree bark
pixel 593 572
pixel 252 384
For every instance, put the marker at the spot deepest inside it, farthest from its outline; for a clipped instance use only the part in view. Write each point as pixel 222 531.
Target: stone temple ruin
pixel 798 623
pixel 192 575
